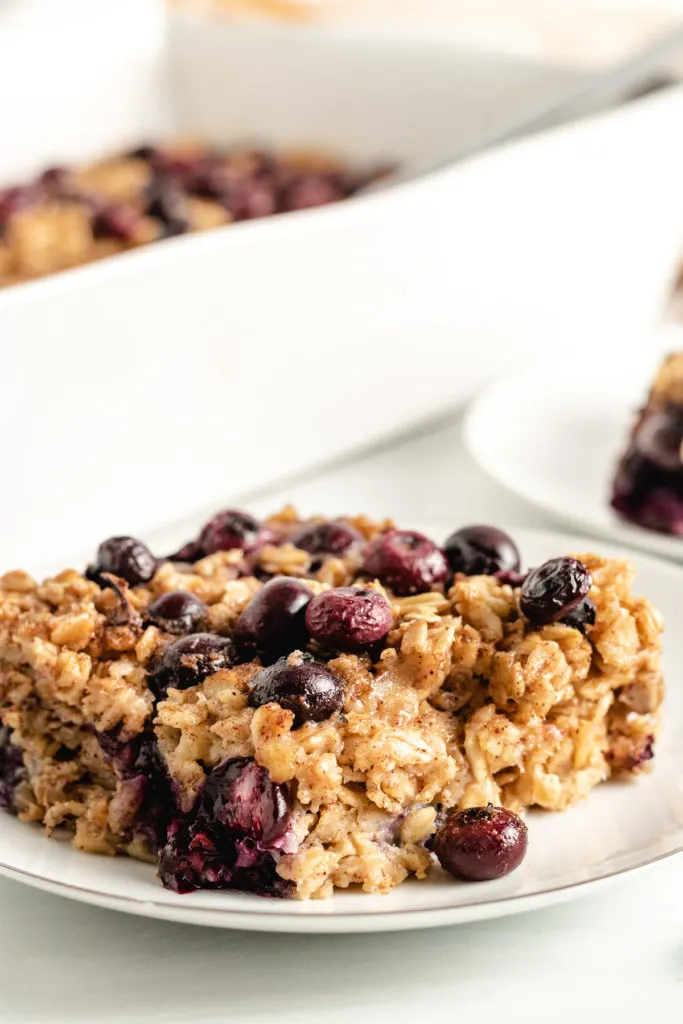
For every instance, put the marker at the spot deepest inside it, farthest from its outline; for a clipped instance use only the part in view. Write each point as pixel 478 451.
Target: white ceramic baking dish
pixel 144 386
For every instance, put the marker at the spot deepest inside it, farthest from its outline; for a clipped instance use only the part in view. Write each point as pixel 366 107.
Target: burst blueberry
pixel 189 660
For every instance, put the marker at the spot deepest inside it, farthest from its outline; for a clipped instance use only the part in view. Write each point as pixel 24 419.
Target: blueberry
pixel 227 530
pixel 188 661
pixel 481 551
pixel 309 190
pixel 332 538
pixel 481 843
pixel 233 836
pixel 240 795
pixel 250 198
pixel 116 221
pixel 349 618
pixel 553 590
pixel 167 202
pixel 301 685
pixel 125 557
pixel 406 562
pixel 12 770
pixel 178 611
pixel 274 621
pixel 190 552
pixel 581 616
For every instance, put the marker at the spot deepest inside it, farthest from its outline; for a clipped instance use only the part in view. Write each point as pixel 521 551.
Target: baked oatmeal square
pixel 294 706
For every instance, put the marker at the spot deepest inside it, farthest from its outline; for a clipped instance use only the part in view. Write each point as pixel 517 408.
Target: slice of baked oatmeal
pixel 290 707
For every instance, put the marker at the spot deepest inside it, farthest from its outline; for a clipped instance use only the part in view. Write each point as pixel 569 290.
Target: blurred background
pixel 256 344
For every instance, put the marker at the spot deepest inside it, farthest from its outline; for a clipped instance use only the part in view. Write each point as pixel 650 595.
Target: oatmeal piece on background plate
pixel 290 707
pixel 648 485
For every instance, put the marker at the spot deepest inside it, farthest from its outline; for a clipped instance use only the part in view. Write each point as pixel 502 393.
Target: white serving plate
pixel 562 453
pixel 619 828
pixel 187 373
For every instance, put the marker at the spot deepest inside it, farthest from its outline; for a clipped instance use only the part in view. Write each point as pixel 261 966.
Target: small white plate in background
pixel 553 432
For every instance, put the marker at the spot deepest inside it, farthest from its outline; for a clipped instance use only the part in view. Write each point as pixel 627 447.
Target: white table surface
pixel 617 955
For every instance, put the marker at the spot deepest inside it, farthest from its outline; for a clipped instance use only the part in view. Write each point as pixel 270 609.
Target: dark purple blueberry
pixel 240 795
pixel 481 843
pixel 227 530
pixel 234 835
pixel 146 152
pixel 116 221
pixel 406 562
pixel 178 611
pixel 659 437
pixel 56 181
pixel 310 190
pixel 582 616
pixel 149 794
pixel 349 618
pixel 189 660
pixel 125 557
pixel 274 621
pixel 553 590
pixel 12 770
pixel 167 202
pixel 303 686
pixel 481 551
pixel 190 552
pixel 250 198
pixel 332 538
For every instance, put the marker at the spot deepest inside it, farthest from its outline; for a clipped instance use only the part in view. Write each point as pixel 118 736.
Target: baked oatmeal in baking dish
pixel 291 706
pixel 72 215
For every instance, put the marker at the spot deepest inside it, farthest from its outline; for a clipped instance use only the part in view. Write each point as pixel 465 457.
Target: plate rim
pixel 398 919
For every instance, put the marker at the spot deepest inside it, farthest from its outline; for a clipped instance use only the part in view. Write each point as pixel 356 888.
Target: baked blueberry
pixel 227 530
pixel 481 551
pixel 349 619
pixel 167 202
pixel 189 660
pixel 274 621
pixel 406 562
pixel 178 611
pixel 553 590
pixel 481 843
pixel 240 795
pixel 299 684
pixel 582 616
pixel 331 538
pixel 125 557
